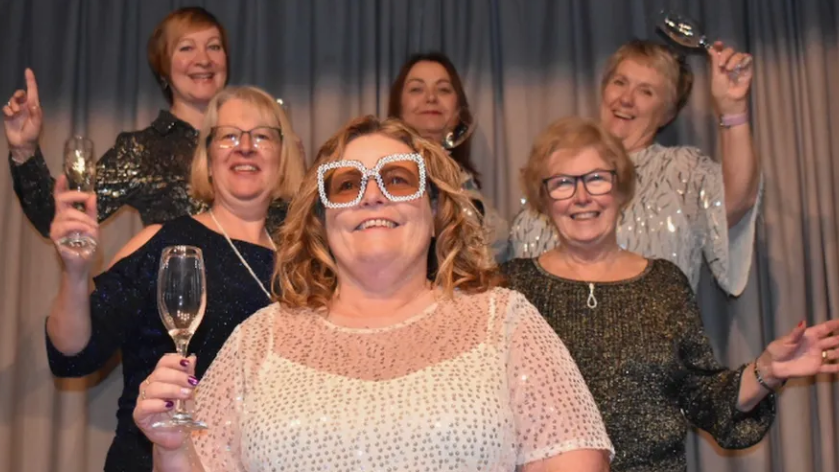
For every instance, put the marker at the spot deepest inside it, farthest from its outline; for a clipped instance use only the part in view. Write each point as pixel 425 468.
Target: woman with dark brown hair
pixel 147 169
pixel 428 95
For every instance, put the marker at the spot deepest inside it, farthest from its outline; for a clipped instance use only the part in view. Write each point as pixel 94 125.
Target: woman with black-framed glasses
pixel 241 166
pixel 632 323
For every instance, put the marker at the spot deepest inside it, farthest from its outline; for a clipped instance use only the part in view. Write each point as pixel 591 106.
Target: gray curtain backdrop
pixel 524 64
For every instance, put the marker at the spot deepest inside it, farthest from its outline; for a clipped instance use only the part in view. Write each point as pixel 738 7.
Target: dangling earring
pixel 164 83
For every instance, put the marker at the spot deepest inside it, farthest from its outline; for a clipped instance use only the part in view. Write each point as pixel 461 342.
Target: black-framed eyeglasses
pixel 596 182
pixel 261 137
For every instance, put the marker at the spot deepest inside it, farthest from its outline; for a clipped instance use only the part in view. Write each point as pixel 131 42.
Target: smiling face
pixel 429 100
pixel 198 67
pixel 244 174
pixel 583 221
pixel 378 231
pixel 636 102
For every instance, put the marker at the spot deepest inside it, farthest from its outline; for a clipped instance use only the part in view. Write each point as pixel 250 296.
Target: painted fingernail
pixel 169 403
pixel 801 323
pixel 184 362
pixel 192 381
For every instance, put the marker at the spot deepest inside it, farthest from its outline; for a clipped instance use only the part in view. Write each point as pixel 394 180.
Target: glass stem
pixel 182 345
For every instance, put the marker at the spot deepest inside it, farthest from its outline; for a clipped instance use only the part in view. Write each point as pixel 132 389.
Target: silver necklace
pixel 244 262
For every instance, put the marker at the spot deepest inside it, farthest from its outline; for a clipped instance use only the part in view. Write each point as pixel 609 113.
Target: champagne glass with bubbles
pixel 181 300
pixel 80 170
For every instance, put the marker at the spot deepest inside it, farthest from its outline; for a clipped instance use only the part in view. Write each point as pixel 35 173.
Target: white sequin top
pixel 678 214
pixel 478 382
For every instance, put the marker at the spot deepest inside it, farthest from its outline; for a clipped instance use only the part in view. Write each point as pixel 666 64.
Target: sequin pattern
pixel 147 170
pixel 647 361
pixel 678 214
pixel 124 316
pixel 478 382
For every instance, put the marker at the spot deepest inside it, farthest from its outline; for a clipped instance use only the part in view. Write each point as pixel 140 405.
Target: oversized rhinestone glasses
pixel 401 177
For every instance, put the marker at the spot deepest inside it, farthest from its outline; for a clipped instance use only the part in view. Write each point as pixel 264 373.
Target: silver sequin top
pixel 678 213
pixel 477 382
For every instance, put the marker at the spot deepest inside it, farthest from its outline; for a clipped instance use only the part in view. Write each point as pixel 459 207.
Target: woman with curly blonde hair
pixel 390 345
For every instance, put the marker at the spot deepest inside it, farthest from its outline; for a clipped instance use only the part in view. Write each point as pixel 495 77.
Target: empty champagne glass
pixel 181 300
pixel 685 31
pixel 80 170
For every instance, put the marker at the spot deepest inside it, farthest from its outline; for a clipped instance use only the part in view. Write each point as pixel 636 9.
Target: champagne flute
pixel 685 31
pixel 181 300
pixel 80 170
pixel 460 133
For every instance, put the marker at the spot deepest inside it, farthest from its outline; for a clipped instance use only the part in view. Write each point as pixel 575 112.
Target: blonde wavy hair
pixel 292 167
pixel 305 273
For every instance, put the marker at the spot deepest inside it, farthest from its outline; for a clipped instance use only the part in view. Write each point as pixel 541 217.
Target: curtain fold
pixel 524 63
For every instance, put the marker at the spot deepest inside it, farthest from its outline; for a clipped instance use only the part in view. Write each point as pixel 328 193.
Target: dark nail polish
pixel 184 362
pixel 192 381
pixel 169 403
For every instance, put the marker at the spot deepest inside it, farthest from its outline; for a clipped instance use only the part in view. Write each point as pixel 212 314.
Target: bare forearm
pixel 180 460
pixel 68 325
pixel 741 171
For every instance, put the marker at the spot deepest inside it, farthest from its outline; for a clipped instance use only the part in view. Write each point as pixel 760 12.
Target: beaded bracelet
pixel 763 382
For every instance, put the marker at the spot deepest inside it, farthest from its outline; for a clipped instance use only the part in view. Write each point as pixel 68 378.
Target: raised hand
pixel 730 90
pixel 22 118
pixel 805 351
pixel 69 220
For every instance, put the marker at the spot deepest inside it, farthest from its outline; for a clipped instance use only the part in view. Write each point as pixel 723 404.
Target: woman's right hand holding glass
pixel 172 379
pixel 22 120
pixel 70 220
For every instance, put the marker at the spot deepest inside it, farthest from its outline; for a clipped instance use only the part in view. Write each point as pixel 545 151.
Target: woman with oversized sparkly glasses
pixel 390 343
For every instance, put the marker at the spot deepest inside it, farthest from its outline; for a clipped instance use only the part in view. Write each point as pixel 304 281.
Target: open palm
pixel 799 353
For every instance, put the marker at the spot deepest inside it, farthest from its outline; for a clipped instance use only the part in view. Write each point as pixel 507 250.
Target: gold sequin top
pixel 477 382
pixel 147 170
pixel 647 361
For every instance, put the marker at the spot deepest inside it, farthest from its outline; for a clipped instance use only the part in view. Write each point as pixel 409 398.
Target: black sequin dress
pixel 147 170
pixel 124 315
pixel 647 361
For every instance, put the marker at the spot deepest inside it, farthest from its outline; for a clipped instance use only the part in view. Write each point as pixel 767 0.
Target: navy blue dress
pixel 124 316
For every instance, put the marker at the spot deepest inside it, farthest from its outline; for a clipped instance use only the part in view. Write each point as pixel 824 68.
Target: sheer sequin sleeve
pixel 120 299
pixel 220 403
pixel 553 408
pixel 531 234
pixel 727 250
pixel 708 392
